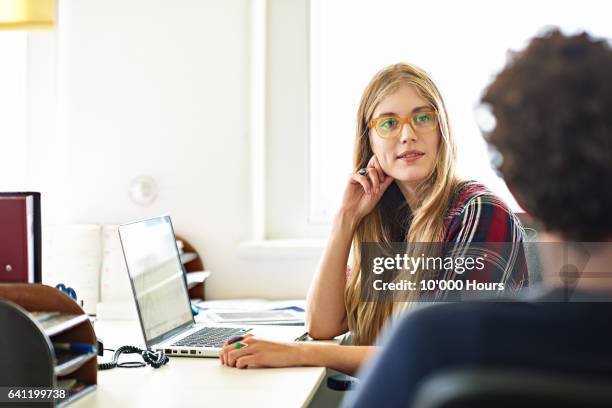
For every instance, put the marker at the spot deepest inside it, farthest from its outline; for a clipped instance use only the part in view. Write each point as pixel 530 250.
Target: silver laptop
pixel 160 291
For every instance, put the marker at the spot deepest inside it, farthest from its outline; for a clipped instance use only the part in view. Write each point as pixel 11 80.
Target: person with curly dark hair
pixel 553 110
pixel 552 106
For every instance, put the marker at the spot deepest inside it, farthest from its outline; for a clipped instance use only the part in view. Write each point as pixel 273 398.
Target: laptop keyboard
pixel 210 337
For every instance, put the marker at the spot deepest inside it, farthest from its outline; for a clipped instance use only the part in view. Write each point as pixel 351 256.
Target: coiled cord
pixel 154 359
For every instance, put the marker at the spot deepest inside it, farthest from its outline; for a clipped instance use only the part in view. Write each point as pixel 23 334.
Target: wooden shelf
pixel 76 396
pixel 28 340
pixel 193 263
pixel 68 363
pixel 61 323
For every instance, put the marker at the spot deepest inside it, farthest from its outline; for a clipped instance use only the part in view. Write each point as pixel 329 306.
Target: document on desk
pixel 255 311
pixel 276 317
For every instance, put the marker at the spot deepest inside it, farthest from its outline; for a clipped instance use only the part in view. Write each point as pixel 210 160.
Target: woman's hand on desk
pixel 255 352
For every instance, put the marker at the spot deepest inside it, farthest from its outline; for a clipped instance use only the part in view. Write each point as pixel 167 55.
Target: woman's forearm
pixel 326 312
pixel 346 359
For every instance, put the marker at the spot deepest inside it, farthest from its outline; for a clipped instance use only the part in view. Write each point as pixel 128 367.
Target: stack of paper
pixel 255 311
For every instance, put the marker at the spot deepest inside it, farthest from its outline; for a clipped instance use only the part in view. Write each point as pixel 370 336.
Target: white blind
pixel 462 44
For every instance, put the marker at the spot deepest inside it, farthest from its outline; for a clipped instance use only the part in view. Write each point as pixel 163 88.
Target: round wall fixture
pixel 143 190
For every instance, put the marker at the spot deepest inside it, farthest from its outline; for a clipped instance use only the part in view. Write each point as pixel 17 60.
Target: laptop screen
pixel 157 277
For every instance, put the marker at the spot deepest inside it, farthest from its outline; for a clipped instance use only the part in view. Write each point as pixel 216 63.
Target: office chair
pixel 499 388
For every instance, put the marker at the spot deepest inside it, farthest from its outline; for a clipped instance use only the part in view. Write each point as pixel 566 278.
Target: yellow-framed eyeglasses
pixel 390 126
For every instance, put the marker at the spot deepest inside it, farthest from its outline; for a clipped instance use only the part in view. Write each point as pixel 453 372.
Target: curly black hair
pixel 553 109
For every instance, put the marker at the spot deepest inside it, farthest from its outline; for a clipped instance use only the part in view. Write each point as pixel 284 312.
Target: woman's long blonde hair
pixel 392 220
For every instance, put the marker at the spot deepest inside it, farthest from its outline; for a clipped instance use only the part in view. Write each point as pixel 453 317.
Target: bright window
pixel 461 44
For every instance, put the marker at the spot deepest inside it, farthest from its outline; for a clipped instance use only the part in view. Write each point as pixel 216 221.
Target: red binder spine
pixel 16 239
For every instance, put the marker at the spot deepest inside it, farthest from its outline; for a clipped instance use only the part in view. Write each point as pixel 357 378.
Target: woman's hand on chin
pixel 255 352
pixel 364 191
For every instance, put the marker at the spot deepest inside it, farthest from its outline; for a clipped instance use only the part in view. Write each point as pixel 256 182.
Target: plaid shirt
pixel 478 216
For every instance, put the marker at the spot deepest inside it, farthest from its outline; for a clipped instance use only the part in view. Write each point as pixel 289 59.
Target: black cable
pixel 154 359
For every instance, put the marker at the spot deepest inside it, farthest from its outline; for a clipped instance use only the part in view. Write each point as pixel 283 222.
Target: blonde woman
pixel 403 189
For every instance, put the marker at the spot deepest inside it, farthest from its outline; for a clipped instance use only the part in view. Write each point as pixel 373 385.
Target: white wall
pixel 160 88
pixel 13 107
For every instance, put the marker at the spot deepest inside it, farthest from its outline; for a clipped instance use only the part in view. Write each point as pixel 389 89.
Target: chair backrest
pixel 534 265
pixel 496 387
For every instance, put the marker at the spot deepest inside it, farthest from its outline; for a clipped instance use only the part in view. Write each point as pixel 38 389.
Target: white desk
pixel 197 382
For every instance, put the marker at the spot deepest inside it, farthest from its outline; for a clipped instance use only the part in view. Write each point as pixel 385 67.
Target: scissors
pixel 67 290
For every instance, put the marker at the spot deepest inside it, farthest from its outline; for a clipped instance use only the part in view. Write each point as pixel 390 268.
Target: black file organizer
pixel 26 349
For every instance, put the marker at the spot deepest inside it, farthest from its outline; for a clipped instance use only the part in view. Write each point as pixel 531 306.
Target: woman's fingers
pixel 227 347
pixel 233 355
pixel 247 340
pixel 374 182
pixel 374 163
pixel 384 179
pixel 372 174
pixel 246 361
pixel 388 180
pixel 364 181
